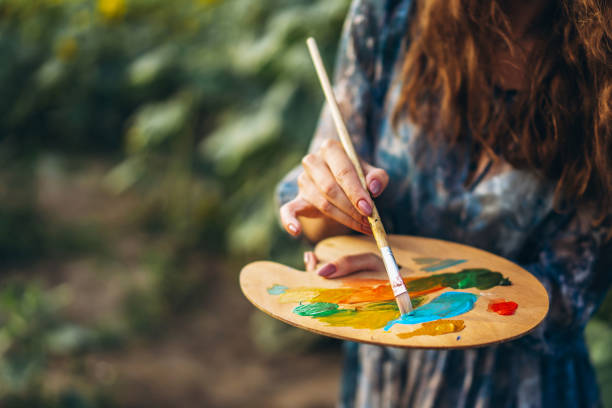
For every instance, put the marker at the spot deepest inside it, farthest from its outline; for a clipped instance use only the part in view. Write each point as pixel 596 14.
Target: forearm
pixel 317 229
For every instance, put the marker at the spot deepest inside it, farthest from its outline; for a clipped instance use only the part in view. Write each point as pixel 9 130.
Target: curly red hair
pixel 560 125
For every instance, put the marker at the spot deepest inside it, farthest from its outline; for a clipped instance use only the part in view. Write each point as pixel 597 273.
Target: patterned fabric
pixel 505 211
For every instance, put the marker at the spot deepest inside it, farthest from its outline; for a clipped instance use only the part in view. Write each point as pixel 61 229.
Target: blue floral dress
pixel 505 210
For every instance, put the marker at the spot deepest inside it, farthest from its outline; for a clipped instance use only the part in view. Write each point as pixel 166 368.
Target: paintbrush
pixel 400 292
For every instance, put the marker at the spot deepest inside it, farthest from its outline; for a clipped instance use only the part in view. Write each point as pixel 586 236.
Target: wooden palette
pixel 481 327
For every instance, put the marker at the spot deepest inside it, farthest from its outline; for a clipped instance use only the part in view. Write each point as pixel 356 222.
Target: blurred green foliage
pixel 201 106
pixel 31 330
pixel 195 95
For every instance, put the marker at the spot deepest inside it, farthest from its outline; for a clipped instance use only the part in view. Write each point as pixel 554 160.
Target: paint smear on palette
pixel 437 264
pixel 435 328
pixel 466 278
pixel 277 289
pixel 373 315
pixel 370 304
pixel 378 290
pixel 502 307
pixel 448 304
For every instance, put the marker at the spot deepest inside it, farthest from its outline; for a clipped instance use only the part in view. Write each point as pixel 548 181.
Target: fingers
pixel 350 264
pixel 289 213
pixel 324 180
pixel 310 192
pixel 330 187
pixel 346 176
pixel 310 261
pixel 377 179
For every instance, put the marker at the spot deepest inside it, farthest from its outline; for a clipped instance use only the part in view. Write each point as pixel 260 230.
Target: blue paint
pixel 437 264
pixel 448 304
pixel 458 338
pixel 277 289
pixel 446 263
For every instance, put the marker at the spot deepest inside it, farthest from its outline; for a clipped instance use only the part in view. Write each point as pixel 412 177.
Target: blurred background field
pixel 141 141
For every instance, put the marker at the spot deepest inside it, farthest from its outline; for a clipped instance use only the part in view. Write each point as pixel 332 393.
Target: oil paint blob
pixel 448 304
pixel 361 319
pixel 370 304
pixel 374 315
pixel 479 278
pixel 435 328
pixel 277 289
pixel 316 309
pixel 437 264
pixel 502 307
pixel 377 290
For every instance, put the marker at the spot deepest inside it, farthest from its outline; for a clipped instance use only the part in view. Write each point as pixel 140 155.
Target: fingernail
pixel 375 187
pixel 327 270
pixel 307 256
pixel 292 228
pixel 365 207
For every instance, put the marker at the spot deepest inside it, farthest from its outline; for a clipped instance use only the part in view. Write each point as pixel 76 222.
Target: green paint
pixel 317 309
pixel 391 304
pixel 373 315
pixel 467 278
pixel 374 308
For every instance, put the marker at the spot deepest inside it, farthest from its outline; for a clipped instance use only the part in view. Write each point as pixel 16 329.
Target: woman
pixel 484 122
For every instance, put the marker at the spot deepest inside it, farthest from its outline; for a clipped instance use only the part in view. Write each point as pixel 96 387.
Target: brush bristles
pixel 404 304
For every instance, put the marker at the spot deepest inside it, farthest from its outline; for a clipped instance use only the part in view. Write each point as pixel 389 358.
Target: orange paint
pixel 370 304
pixel 502 307
pixel 363 283
pixel 426 291
pixel 377 290
pixel 376 294
pixel 369 283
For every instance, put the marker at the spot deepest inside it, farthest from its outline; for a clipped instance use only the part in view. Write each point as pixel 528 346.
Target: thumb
pixel 377 179
pixel 348 264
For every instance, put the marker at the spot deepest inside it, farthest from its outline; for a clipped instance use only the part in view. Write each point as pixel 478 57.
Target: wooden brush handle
pixel 375 223
pixel 378 230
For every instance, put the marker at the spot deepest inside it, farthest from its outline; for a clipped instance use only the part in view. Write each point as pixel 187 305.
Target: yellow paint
pixel 435 328
pixel 370 319
pixel 333 295
pixel 297 295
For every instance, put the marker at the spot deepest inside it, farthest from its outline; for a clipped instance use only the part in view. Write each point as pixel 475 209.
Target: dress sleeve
pixel 353 85
pixel 574 263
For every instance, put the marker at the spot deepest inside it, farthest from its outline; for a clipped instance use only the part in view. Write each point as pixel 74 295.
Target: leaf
pixel 156 122
pixel 147 68
pixel 241 135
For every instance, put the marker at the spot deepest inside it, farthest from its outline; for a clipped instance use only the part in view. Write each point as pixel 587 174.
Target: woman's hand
pixel 330 188
pixel 344 265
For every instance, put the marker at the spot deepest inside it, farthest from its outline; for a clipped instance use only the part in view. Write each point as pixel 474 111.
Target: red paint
pixel 502 307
